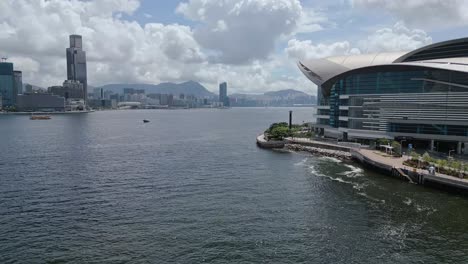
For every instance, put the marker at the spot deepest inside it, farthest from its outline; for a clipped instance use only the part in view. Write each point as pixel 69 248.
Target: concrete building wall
pixel 40 102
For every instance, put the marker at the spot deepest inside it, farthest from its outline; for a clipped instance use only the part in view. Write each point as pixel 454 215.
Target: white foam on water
pixel 353 172
pixel 363 194
pixel 330 159
pixel 408 201
pixel 395 234
pixel 302 162
pixel 425 209
pixel 314 171
pixel 359 186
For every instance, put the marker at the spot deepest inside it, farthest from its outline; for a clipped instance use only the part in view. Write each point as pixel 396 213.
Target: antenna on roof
pixel 4 59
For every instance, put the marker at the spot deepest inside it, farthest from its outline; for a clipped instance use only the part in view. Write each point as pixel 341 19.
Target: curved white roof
pixel 326 68
pixel 362 60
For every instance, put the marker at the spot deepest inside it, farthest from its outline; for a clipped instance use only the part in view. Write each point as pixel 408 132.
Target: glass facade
pixel 448 130
pixel 450 50
pixel 402 81
pixel 375 96
pixel 7 88
pixel 76 63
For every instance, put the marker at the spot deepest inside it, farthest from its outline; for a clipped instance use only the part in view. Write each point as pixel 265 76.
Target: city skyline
pixel 127 41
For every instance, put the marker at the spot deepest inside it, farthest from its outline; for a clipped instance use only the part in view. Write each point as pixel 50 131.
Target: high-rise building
pixel 98 93
pixel 223 94
pixel 76 63
pixel 69 90
pixel 28 88
pixel 7 85
pixel 18 76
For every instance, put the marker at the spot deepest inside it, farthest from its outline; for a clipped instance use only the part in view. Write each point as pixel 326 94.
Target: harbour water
pixel 192 187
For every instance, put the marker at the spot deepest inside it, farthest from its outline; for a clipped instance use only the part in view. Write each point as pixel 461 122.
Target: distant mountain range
pixel 288 93
pixel 274 98
pixel 288 97
pixel 188 88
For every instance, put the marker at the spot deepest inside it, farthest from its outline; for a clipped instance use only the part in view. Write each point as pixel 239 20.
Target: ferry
pixel 39 117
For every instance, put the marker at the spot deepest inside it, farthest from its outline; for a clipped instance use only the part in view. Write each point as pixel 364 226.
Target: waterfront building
pixel 69 90
pixel 223 98
pixel 7 85
pixel 98 93
pixel 76 63
pixel 40 102
pixel 128 91
pixel 420 96
pixel 18 79
pixel 28 88
pixel 102 103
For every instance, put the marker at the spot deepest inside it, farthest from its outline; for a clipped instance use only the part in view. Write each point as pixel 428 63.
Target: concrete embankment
pixel 392 166
pixel 269 144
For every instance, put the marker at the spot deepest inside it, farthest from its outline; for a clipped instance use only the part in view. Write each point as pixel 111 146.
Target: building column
pixel 432 145
pixel 459 148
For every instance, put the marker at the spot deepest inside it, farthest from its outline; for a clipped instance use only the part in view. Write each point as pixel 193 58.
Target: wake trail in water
pixel 315 172
pixel 330 159
pixel 353 171
pixel 302 162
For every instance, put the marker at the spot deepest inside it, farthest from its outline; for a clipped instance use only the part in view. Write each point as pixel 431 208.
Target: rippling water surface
pixel 192 187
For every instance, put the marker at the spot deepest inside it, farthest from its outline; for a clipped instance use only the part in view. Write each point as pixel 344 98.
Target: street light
pixel 401 144
pixel 450 151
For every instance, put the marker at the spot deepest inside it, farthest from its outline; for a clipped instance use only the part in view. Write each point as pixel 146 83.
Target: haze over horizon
pixel 253 45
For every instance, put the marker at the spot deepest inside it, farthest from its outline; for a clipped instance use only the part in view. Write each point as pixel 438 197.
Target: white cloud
pixel 299 50
pixel 311 21
pixel 117 50
pixel 391 39
pixel 34 35
pixel 396 38
pixel 241 31
pixel 422 13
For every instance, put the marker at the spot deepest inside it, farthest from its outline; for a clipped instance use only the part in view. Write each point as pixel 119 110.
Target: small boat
pixel 145 121
pixel 39 117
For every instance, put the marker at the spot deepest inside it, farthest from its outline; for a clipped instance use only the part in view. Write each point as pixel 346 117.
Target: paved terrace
pixel 398 163
pixel 383 160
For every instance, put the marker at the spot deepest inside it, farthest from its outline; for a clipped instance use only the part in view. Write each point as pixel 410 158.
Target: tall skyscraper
pixel 28 88
pixel 7 84
pixel 76 63
pixel 18 75
pixel 223 98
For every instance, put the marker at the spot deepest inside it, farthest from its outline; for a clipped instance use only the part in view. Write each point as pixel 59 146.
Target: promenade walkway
pixel 381 160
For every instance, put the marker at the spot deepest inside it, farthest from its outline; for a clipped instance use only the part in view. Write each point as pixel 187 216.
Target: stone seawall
pixel 344 155
pixel 271 144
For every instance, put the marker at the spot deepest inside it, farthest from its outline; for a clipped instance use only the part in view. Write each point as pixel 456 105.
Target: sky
pixel 253 45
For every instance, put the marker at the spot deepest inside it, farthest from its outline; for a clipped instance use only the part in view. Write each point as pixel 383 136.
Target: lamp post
pixel 450 151
pixel 401 144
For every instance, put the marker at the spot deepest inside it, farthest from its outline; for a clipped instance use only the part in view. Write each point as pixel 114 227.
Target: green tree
pixel 457 165
pixel 279 132
pixel 396 147
pixel 442 163
pixel 465 167
pixel 414 155
pixel 427 158
pixel 383 141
